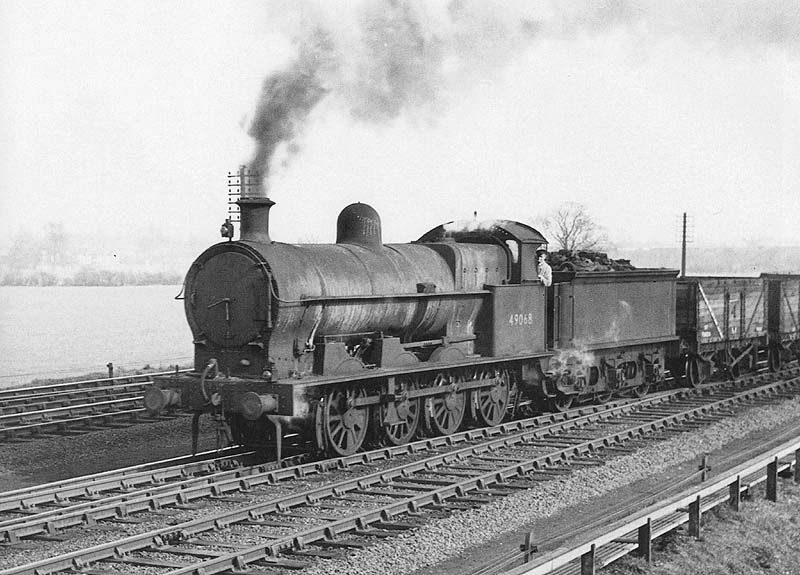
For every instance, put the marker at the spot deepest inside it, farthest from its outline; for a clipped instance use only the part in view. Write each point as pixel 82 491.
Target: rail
pixel 6 394
pixel 73 406
pixel 388 498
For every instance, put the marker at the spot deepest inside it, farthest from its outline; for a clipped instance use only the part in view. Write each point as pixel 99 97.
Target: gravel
pixel 51 459
pixel 447 538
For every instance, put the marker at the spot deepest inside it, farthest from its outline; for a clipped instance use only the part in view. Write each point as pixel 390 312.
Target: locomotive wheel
pixel 561 402
pixel 692 372
pixel 491 403
pixel 408 412
pixel 344 425
pixel 444 413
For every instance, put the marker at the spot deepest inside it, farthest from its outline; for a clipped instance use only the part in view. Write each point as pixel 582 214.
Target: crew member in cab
pixel 545 271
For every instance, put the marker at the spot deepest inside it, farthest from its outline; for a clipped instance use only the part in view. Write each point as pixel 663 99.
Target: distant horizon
pixel 718 260
pixel 204 238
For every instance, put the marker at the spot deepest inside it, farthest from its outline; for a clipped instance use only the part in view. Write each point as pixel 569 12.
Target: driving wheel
pixel 444 413
pixel 400 420
pixel 491 403
pixel 344 424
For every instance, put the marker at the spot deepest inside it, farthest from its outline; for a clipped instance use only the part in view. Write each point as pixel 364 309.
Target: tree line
pixel 88 277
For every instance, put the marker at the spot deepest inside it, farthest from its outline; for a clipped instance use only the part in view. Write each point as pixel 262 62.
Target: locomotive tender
pixel 361 341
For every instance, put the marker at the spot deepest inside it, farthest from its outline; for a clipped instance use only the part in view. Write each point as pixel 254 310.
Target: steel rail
pixel 46 411
pixel 62 494
pixel 64 420
pixel 151 493
pixel 139 475
pixel 439 492
pixel 29 412
pixel 25 403
pixel 151 475
pixel 437 495
pixel 9 393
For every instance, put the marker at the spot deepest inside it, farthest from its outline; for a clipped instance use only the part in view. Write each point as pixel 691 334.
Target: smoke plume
pixel 287 97
pixel 377 60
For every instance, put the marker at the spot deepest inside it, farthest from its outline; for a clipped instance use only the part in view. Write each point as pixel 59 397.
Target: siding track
pixel 75 407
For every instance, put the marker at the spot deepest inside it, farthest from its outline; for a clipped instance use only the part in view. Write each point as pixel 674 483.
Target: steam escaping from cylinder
pixel 572 361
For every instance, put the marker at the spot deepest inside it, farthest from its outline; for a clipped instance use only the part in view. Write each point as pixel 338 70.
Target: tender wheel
pixel 344 425
pixel 491 403
pixel 406 413
pixel 693 373
pixel 561 402
pixel 444 413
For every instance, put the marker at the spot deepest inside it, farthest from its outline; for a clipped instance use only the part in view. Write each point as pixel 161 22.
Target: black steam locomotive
pixel 361 341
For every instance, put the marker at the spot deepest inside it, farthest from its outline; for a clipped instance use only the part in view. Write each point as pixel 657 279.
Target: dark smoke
pixel 400 67
pixel 394 66
pixel 287 97
pixel 382 59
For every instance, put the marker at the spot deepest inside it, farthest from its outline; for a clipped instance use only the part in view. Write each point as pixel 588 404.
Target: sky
pixel 125 117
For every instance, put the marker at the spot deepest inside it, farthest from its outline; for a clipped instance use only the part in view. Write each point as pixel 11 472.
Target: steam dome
pixel 359 224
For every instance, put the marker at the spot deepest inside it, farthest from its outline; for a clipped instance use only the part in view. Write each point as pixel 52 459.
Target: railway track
pixel 74 407
pixel 253 519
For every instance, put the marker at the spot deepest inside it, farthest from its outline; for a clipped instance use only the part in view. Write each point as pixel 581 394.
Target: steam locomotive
pixel 359 342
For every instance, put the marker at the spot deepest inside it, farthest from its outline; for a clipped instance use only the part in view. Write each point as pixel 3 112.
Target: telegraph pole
pixel 683 247
pixel 683 233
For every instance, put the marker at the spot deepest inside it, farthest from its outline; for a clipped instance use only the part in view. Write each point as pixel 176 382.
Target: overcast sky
pixel 128 115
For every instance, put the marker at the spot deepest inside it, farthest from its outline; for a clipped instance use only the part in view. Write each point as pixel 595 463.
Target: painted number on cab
pixel 520 319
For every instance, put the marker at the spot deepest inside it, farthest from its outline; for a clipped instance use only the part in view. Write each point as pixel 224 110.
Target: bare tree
pixel 570 227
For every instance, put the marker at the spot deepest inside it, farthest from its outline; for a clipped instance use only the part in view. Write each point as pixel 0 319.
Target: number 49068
pixel 521 319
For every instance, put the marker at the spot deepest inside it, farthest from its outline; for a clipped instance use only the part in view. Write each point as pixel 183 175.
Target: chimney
pixel 254 226
pixel 253 204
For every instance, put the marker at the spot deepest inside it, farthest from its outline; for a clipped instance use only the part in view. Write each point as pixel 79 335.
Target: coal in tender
pixel 586 261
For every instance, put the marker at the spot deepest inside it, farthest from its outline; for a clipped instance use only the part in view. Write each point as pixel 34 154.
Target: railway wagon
pixel 722 325
pixel 783 317
pixel 611 332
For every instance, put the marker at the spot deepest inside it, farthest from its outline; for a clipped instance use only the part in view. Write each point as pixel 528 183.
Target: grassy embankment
pixel 763 537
